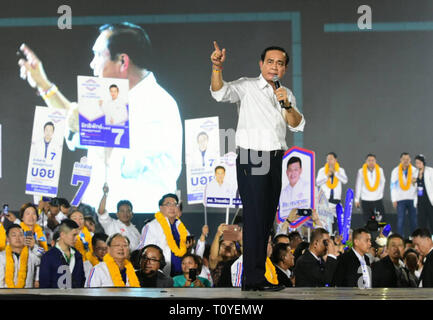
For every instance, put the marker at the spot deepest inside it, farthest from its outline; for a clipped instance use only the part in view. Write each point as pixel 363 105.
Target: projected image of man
pixel 115 110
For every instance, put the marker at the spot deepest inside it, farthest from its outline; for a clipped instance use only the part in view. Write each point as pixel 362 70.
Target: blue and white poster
pixel 103 112
pixel 202 151
pixel 81 174
pixel 46 152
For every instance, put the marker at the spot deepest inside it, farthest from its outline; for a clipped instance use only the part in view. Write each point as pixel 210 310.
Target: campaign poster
pixel 222 191
pixel 298 176
pixel 81 174
pixel 46 152
pixel 103 112
pixel 202 151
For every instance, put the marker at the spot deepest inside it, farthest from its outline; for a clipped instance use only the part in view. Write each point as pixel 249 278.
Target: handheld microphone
pixel 277 84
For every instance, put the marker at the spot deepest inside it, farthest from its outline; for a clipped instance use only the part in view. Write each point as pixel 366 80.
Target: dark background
pixel 362 91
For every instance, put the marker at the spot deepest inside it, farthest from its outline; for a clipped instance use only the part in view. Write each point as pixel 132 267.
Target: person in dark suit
pixel 316 267
pixel 283 260
pixel 390 271
pixel 423 243
pixel 56 264
pixel 353 269
pixel 151 261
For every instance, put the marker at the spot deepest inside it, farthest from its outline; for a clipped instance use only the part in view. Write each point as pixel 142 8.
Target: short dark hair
pixel 122 203
pixel 111 238
pixel 114 86
pixel 294 160
pixel 67 225
pixel 99 236
pixel 72 210
pixel 162 262
pixel 130 39
pixel 197 259
pixel 317 234
pixel 202 133
pixel 49 123
pixel 263 54
pixel 279 250
pixel 293 235
pixel 219 167
pixel 26 206
pixel 65 203
pixel 168 195
pixel 404 154
pixel 421 158
pixel 12 226
pixel 54 202
pixel 278 236
pixel 332 154
pixel 357 232
pixel 370 155
pixel 393 236
pixel 410 250
pixel 422 233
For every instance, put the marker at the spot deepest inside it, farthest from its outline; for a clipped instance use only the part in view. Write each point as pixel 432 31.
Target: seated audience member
pixel 63 255
pixel 280 238
pixel 169 233
pixel 18 264
pixel 411 261
pixel 95 256
pixel 316 267
pixel 191 261
pixel 115 270
pixel 222 252
pixel 35 237
pixel 295 239
pixel 149 274
pixel 90 224
pixel 120 225
pixel 423 243
pixel 283 260
pixel 390 271
pixel 84 238
pixel 353 269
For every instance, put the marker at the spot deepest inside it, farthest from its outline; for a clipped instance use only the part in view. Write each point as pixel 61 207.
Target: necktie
pixel 331 197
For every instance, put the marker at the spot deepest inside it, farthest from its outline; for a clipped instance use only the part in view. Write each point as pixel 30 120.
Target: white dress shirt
pixel 151 165
pixel 397 194
pixel 297 197
pixel 33 262
pixel 261 124
pixel 366 271
pixel 322 178
pixel 115 112
pixel 112 226
pixel 361 191
pixel 216 190
pixel 99 276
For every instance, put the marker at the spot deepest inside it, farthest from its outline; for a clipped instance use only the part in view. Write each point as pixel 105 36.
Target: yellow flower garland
pixel 39 234
pixel 403 186
pixel 335 182
pixel 93 260
pixel 178 251
pixel 79 244
pixel 271 273
pixel 367 183
pixel 116 277
pixel 10 268
pixel 2 237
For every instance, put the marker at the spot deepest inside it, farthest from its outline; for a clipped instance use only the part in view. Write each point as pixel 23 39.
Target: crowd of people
pixel 54 245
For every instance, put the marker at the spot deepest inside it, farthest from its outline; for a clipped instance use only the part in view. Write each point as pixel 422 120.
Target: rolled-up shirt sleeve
pixel 229 92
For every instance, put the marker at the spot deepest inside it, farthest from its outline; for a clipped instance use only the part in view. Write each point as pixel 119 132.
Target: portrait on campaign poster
pixel 222 190
pixel 103 111
pixel 45 151
pixel 202 151
pixel 297 190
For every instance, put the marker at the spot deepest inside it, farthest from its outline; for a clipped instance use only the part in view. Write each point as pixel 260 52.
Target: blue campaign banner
pixel 340 217
pixel 297 185
pixel 103 112
pixel 81 174
pixel 347 214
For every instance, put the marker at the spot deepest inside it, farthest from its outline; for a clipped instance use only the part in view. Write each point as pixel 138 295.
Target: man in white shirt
pixel 46 148
pixel 121 225
pixel 404 193
pixel 297 192
pixel 15 240
pixel 153 161
pixel 115 111
pixel 265 112
pixel 369 193
pixel 219 187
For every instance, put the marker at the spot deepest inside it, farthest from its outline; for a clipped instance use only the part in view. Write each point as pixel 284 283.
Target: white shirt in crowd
pixel 99 276
pixel 261 124
pixel 366 271
pixel 397 194
pixel 112 226
pixel 152 233
pixel 153 161
pixel 361 191
pixel 115 112
pixel 32 269
pixel 322 178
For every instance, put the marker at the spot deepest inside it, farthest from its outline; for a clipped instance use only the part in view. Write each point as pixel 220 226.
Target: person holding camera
pixel 191 267
pixel 35 237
